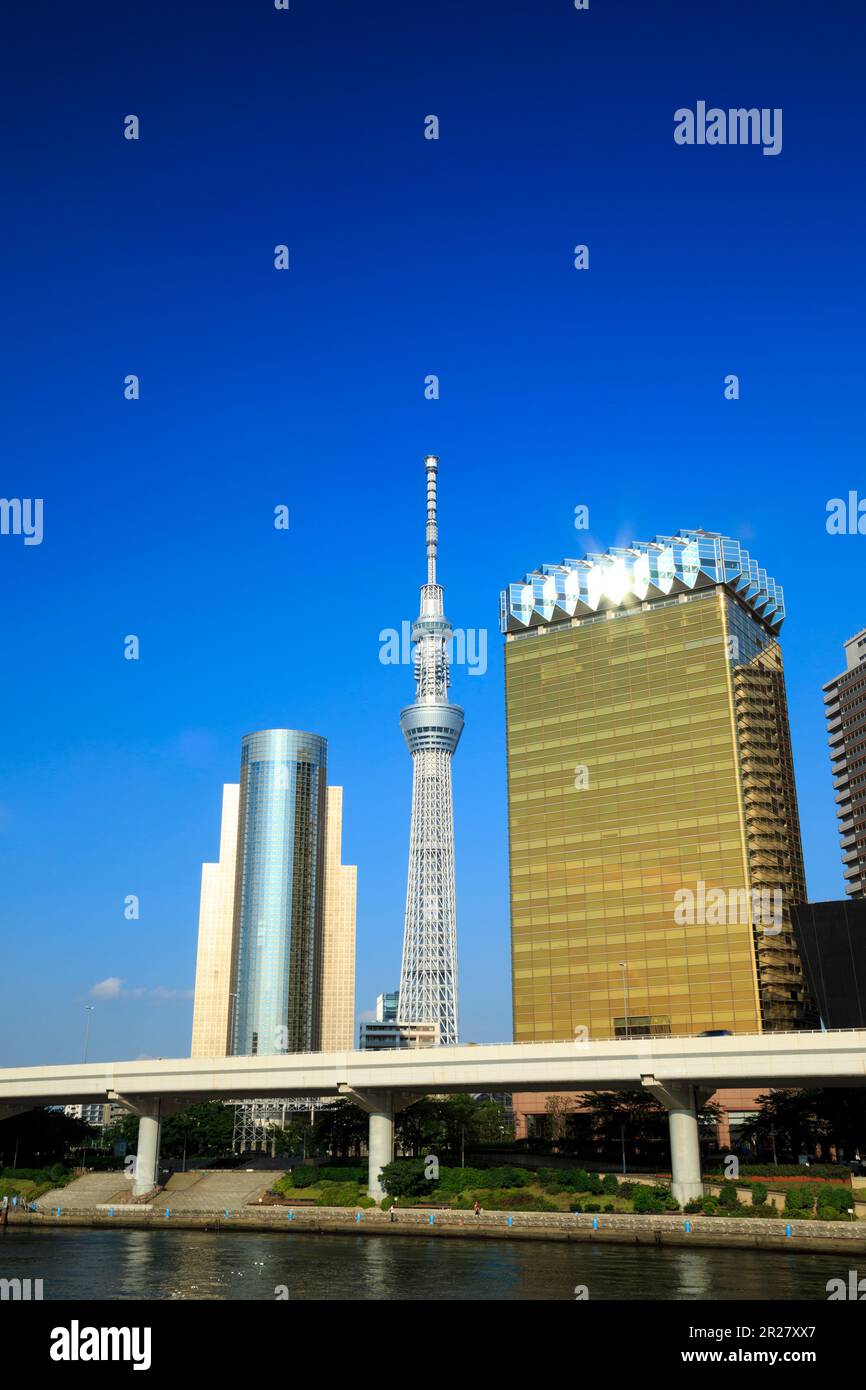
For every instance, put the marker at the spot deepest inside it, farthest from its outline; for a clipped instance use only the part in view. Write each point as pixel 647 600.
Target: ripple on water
pixel 85 1264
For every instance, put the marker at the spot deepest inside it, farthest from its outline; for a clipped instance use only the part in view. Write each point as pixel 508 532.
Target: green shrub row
pixel 343 1194
pixel 577 1180
pixel 815 1199
pixel 455 1180
pixel 56 1174
pixel 786 1170
pixel 408 1178
pixel 355 1174
pixel 806 1200
pixel 504 1199
pixel 310 1176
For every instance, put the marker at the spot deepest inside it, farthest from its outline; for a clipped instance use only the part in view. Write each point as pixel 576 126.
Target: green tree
pixel 558 1109
pixel 405 1178
pixel 125 1129
pixel 637 1118
pixel 420 1128
pixel 490 1123
pixel 203 1129
pixel 449 1125
pixel 807 1121
pixel 42 1137
pixel 341 1129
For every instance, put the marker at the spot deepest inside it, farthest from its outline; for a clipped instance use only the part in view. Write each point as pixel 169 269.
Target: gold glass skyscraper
pixel 653 828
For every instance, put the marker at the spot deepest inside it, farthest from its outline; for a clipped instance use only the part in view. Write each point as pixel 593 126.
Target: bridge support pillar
pixel 380 1145
pixel 151 1114
pixel 147 1152
pixel 380 1107
pixel 682 1101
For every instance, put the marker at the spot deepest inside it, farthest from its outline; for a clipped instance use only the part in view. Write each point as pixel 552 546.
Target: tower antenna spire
pixel 431 463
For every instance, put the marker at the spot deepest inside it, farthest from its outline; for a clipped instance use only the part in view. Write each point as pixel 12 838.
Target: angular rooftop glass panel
pixel 645 572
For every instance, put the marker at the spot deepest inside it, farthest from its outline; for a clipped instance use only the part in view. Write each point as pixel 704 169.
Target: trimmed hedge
pixel 832 1202
pixel 786 1170
pixel 302 1177
pixel 343 1194
pixel 455 1180
pixel 347 1174
pixel 57 1174
pixel 504 1199
pixel 309 1176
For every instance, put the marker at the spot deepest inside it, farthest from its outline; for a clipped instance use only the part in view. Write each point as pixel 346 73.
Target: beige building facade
pixel 211 1020
pixel 338 939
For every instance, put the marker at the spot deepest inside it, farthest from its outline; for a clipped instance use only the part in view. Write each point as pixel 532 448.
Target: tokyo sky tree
pixel 432 727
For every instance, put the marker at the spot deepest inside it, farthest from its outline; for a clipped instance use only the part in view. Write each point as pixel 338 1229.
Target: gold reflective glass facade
pixel 634 740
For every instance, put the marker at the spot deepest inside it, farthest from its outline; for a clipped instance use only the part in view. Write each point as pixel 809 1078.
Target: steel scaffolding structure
pixel 256 1120
pixel 432 726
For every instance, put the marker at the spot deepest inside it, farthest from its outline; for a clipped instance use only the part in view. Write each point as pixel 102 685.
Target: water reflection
pixel 76 1264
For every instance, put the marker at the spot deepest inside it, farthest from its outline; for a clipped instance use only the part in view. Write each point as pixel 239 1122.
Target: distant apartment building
pixel 384 1033
pixel 387 1006
pixel 99 1114
pixel 276 951
pixel 845 712
pixel 653 828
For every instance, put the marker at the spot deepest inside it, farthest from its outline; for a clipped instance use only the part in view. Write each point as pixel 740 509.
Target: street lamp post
pixel 622 965
pixel 88 1009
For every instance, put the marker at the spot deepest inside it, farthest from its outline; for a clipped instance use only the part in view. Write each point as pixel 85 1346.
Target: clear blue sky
pixel 408 257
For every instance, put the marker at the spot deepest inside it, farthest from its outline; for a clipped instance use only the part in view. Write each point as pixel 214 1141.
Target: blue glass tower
pixel 279 893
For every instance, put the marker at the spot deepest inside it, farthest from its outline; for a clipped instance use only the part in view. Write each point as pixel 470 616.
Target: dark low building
pixel 832 941
pixel 845 711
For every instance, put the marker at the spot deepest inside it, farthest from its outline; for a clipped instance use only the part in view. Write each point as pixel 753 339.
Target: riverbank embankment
pixel 824 1237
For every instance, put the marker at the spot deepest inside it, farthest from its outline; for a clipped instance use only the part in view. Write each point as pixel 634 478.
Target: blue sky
pixel 306 388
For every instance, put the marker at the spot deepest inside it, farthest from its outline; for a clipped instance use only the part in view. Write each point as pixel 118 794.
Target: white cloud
pixel 112 988
pixel 107 989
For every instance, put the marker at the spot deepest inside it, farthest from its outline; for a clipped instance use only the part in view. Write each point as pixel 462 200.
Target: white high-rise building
pixel 277 991
pixel 432 727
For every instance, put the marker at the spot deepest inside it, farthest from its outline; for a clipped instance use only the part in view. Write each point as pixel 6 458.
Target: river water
pixel 96 1264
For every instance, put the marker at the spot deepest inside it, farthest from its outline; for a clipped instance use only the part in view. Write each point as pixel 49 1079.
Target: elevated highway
pixel 680 1072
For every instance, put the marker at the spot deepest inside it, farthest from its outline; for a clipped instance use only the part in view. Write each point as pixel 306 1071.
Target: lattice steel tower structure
pixel 432 727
